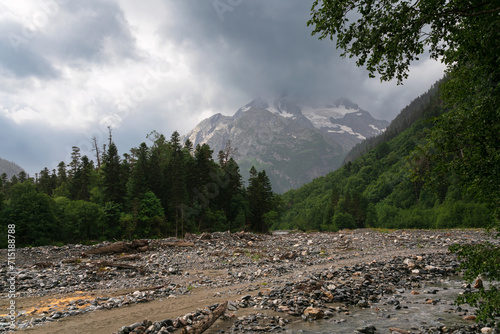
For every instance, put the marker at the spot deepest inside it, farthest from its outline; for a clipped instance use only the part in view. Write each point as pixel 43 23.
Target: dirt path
pixel 110 321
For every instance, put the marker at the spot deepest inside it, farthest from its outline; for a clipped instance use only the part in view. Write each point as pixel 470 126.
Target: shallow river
pixel 412 313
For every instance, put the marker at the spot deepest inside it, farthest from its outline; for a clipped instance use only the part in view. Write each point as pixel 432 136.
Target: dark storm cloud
pixel 84 29
pixel 258 46
pixel 18 59
pixel 266 48
pixel 73 31
pixel 61 80
pixel 34 147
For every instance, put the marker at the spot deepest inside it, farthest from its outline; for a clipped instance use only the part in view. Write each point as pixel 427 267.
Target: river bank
pixel 269 281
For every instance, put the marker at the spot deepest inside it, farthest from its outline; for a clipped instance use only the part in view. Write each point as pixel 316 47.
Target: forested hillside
pixel 394 184
pixel 167 188
pixel 419 108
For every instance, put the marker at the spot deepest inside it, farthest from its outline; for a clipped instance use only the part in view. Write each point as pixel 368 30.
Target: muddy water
pixel 433 306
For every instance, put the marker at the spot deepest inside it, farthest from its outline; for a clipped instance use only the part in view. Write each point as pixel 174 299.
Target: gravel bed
pixel 307 276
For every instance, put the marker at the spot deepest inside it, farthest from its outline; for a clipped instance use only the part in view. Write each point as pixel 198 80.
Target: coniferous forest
pixel 167 188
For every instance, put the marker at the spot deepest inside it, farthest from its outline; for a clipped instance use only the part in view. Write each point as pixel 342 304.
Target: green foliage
pixel 33 213
pixel 466 137
pixel 260 199
pixel 387 36
pixel 151 216
pixel 481 260
pixel 165 189
pixel 81 220
pixel 394 185
pixel 343 221
pixel 217 219
pixel 113 183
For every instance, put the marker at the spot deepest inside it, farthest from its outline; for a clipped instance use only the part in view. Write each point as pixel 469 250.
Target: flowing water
pixel 413 312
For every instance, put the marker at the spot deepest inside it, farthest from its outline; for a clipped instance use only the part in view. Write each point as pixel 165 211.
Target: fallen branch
pixel 178 244
pixel 121 247
pixel 203 325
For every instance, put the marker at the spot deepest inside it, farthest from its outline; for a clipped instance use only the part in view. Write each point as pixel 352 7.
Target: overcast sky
pixel 69 69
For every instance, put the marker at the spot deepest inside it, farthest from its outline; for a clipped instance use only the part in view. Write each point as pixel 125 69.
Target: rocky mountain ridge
pixel 9 168
pixel 294 143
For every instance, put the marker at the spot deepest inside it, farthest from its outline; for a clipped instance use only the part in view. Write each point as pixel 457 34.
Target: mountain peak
pixel 346 104
pixel 294 141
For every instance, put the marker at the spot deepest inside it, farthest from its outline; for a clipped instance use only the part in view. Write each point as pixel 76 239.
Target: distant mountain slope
pixel 292 142
pixel 384 186
pixel 10 168
pixel 419 108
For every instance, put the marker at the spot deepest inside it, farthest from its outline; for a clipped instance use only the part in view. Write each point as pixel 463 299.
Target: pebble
pixel 243 258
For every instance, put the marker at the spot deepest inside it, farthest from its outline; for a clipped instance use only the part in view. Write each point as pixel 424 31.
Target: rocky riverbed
pixel 269 282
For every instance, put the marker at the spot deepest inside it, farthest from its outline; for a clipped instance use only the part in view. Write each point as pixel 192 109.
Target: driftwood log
pixel 205 324
pixel 121 247
pixel 178 244
pixel 115 264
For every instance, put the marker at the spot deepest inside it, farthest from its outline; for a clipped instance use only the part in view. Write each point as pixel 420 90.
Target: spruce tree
pixel 62 177
pixel 177 182
pixel 138 180
pixel 260 199
pixel 112 181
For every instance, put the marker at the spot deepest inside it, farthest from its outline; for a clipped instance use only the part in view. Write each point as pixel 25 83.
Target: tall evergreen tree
pixel 75 160
pixel 177 181
pixel 112 179
pixel 45 182
pixel 231 192
pixel 260 199
pixel 157 169
pixel 138 183
pixel 81 182
pixel 62 177
pixel 22 176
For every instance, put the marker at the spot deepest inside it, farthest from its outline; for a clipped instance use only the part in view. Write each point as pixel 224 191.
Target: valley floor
pixel 71 289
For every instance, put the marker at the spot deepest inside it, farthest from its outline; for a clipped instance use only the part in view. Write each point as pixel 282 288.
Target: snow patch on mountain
pixel 280 112
pixel 320 117
pixel 346 129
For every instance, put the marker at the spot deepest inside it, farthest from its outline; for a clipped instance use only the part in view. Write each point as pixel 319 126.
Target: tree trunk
pixel 203 325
